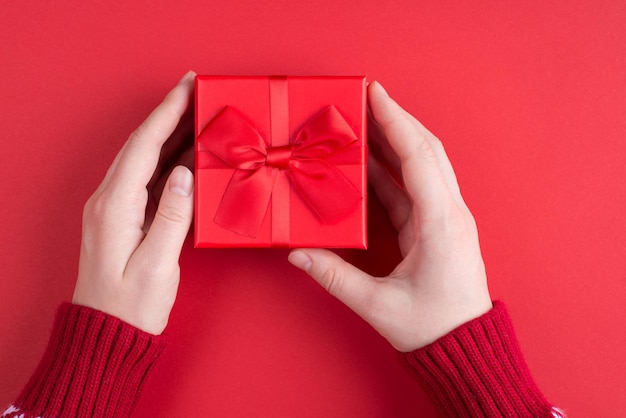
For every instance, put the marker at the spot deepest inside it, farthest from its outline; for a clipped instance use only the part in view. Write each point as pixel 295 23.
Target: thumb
pixel 341 279
pixel 173 216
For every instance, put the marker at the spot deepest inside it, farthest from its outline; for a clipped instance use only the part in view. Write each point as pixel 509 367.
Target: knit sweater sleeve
pixel 478 370
pixel 95 365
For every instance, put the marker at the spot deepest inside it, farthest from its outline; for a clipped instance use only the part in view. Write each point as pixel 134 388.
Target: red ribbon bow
pixel 309 162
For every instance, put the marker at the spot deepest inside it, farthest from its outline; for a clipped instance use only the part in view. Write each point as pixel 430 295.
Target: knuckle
pixel 97 207
pixel 109 207
pixel 470 220
pixel 332 280
pixel 453 226
pixel 171 214
pixel 394 120
pixel 459 225
pixel 436 143
pixel 425 148
pixel 172 108
pixel 95 214
pixel 136 135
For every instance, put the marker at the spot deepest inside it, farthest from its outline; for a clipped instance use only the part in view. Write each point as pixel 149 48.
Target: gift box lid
pixel 281 161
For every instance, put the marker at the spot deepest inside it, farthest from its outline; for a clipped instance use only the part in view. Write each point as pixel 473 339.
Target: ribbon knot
pixel 310 162
pixel 279 157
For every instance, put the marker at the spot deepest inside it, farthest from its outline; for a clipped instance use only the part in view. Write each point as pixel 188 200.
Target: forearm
pixel 478 370
pixel 95 365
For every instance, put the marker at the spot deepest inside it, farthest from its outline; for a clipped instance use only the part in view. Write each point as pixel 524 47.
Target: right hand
pixel 441 283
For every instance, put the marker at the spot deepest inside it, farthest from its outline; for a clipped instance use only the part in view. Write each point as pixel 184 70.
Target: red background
pixel 528 97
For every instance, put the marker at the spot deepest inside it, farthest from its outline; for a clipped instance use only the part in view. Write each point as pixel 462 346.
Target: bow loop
pixel 324 135
pixel 309 163
pixel 233 140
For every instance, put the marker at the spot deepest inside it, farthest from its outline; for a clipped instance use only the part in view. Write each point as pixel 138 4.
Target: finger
pixel 379 146
pixel 442 158
pixel 182 135
pixel 341 279
pixel 422 177
pixel 173 217
pixel 185 159
pixel 179 141
pixel 155 188
pixel 138 158
pixel 390 194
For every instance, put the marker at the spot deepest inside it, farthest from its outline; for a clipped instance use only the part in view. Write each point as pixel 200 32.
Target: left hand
pixel 129 254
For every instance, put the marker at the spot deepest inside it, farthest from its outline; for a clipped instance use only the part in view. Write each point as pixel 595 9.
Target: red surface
pixel 528 98
pixel 266 209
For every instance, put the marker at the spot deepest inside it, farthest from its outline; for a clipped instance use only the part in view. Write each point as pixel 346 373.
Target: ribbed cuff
pixel 478 370
pixel 94 366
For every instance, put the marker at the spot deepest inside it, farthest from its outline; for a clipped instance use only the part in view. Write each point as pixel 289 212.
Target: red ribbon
pixel 309 162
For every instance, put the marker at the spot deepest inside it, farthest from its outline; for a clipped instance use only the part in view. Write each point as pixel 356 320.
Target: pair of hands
pixel 130 247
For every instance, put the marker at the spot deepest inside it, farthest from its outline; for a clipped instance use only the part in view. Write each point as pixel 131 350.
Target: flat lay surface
pixel 528 101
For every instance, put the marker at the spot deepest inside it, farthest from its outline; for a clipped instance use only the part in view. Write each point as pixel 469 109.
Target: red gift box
pixel 280 162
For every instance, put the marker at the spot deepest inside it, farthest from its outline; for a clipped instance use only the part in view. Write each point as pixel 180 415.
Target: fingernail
pixel 188 76
pixel 181 181
pixel 381 87
pixel 300 259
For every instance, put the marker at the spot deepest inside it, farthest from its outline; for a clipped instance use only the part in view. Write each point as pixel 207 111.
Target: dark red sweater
pixel 478 370
pixel 95 366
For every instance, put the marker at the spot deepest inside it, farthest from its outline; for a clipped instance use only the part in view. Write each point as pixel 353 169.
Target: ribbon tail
pixel 245 201
pixel 325 189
